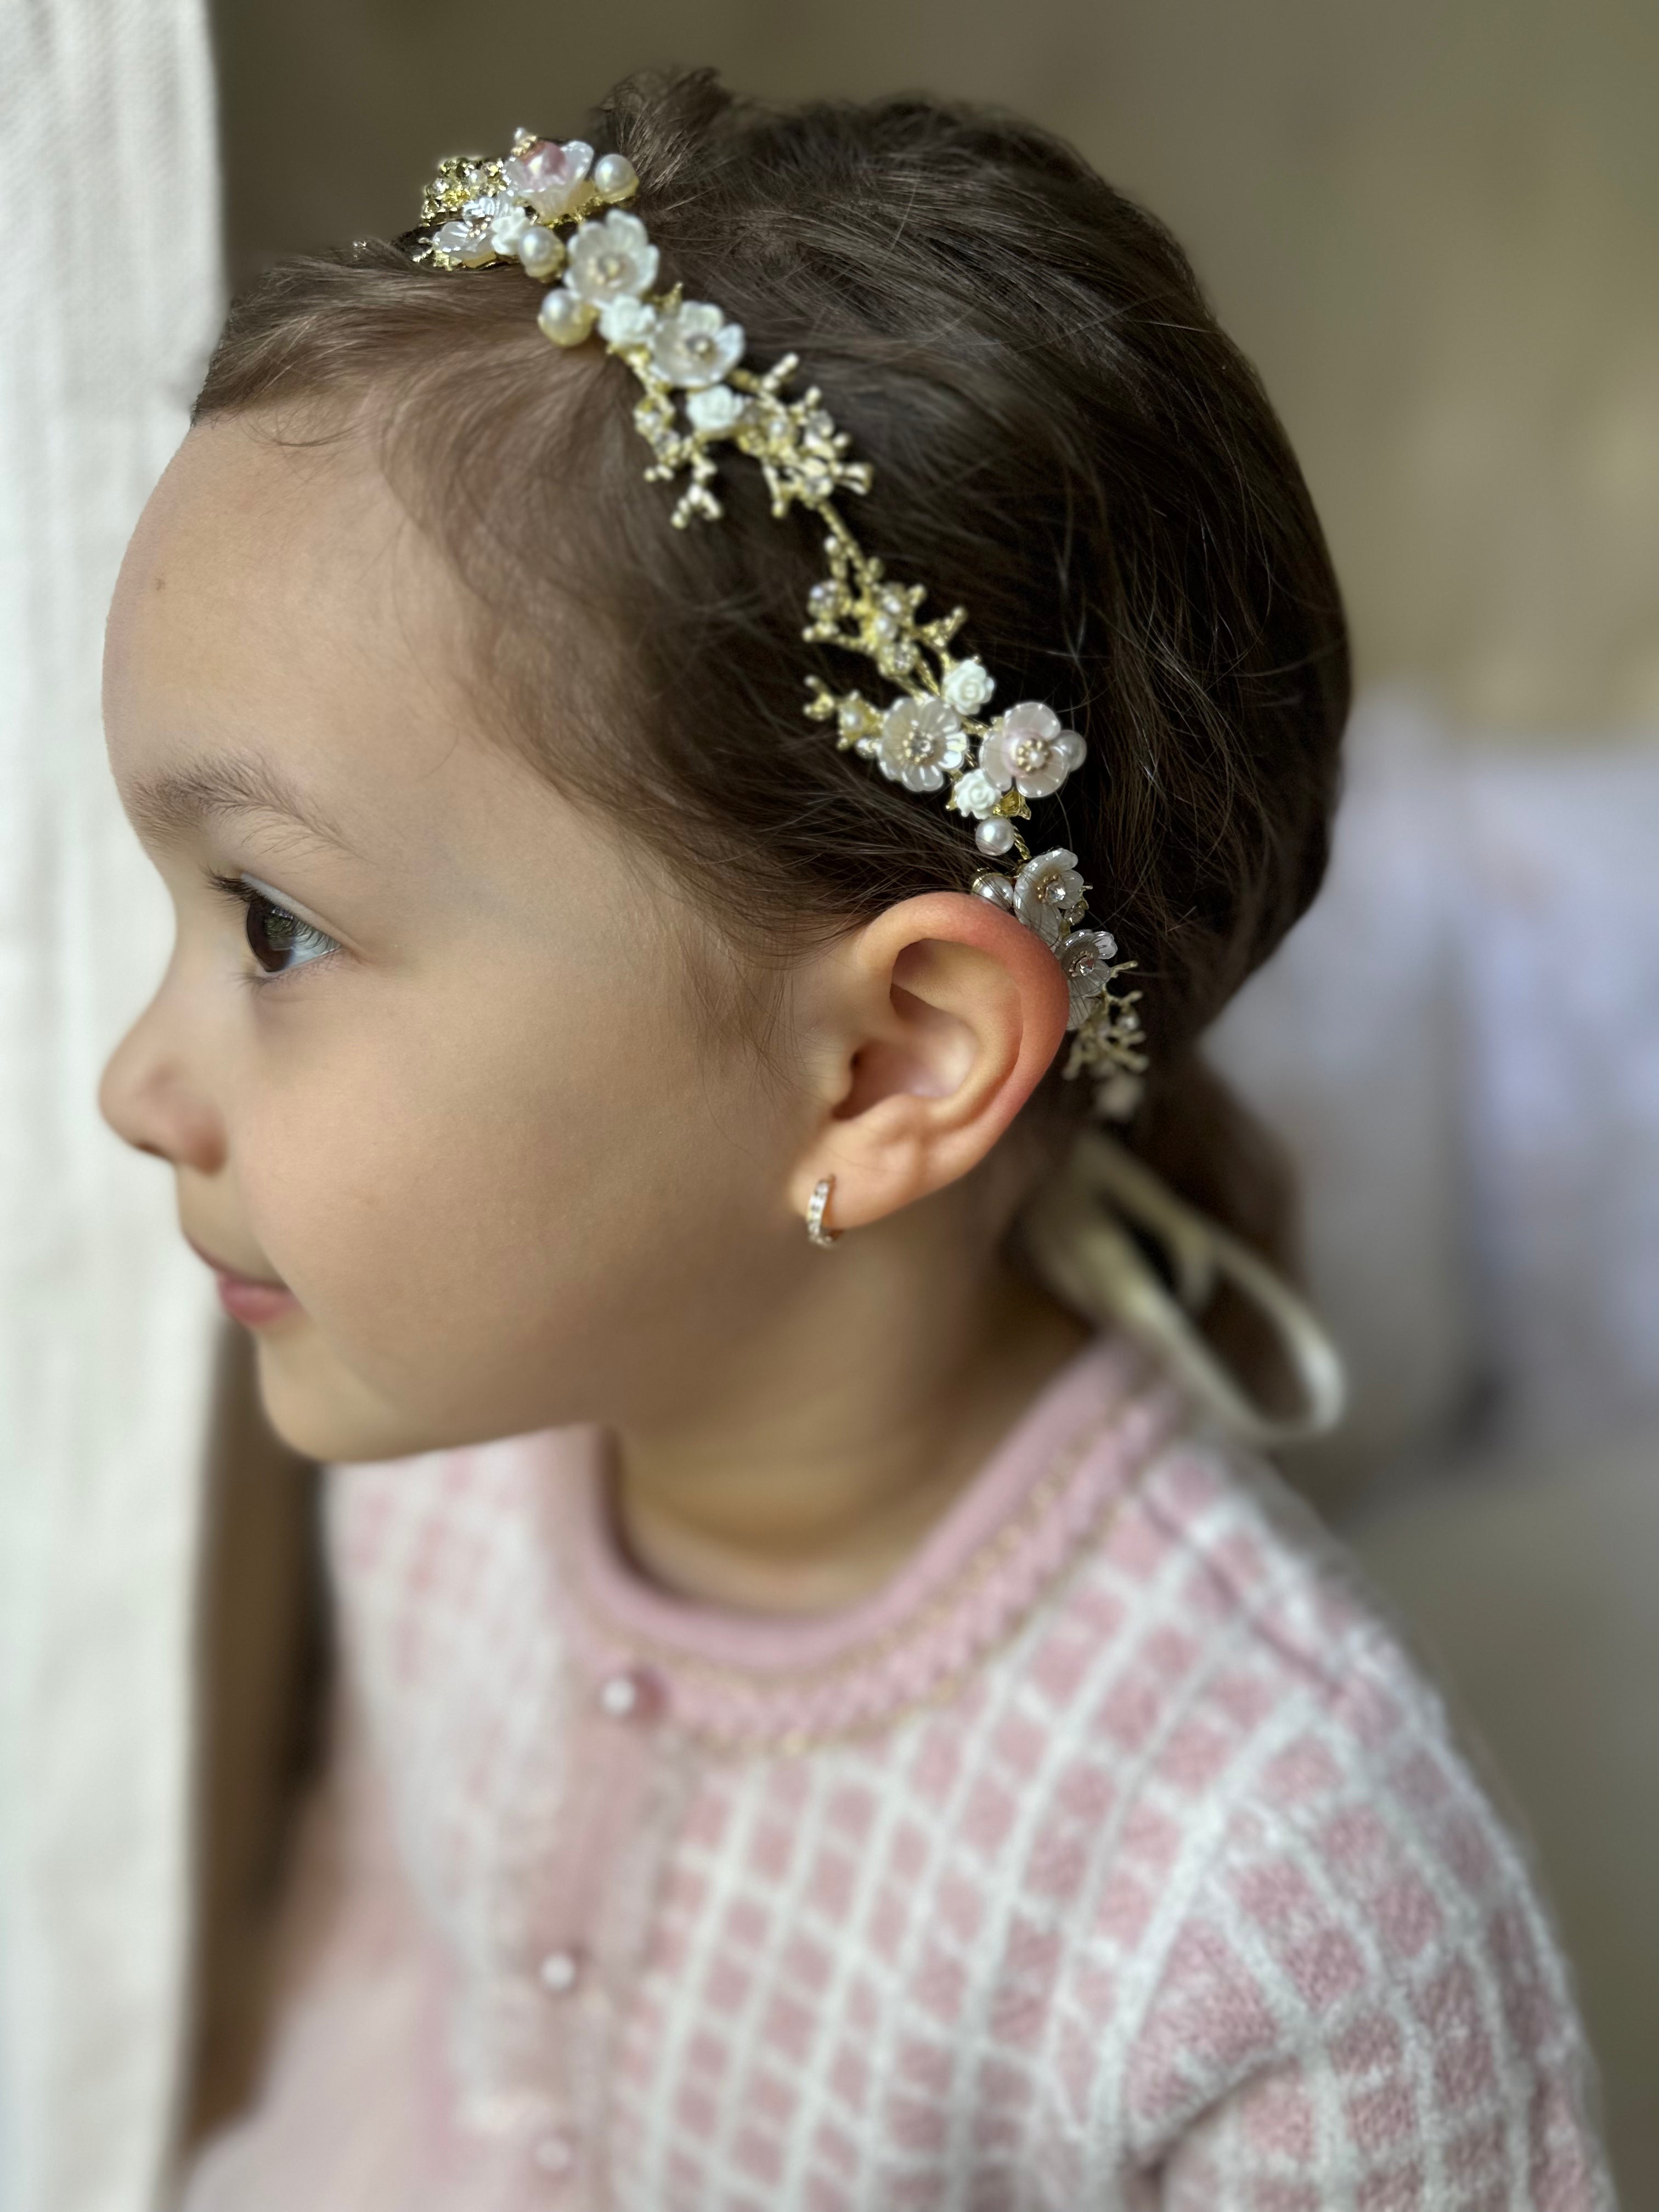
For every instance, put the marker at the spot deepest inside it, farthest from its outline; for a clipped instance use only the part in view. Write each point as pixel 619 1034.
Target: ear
pixel 929 1029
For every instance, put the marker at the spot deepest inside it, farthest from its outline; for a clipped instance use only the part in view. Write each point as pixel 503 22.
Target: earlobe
pixel 949 1012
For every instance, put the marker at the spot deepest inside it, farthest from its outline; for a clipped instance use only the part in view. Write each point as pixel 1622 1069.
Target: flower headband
pixel 687 358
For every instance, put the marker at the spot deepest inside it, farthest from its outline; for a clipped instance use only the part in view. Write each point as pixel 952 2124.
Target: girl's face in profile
pixel 435 1064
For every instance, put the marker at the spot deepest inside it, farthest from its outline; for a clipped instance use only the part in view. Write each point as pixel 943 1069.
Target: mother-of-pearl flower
pixel 1048 892
pixel 696 345
pixel 1030 750
pixel 1087 956
pixel 549 176
pixel 922 742
pixel 610 259
pixel 470 237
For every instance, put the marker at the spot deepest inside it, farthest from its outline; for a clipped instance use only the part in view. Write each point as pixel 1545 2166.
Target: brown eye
pixel 276 937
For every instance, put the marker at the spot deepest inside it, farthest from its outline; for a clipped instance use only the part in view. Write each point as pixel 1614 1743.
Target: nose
pixel 150 1099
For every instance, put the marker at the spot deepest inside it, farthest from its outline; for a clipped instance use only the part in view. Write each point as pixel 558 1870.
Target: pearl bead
pixel 560 1972
pixel 996 835
pixel 630 1694
pixel 615 176
pixel 564 318
pixel 539 251
pixel 555 2153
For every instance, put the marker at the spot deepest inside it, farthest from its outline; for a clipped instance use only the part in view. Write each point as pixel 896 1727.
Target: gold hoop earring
pixel 815 1210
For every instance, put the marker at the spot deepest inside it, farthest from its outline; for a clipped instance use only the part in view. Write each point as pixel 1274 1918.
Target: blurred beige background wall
pixel 1432 224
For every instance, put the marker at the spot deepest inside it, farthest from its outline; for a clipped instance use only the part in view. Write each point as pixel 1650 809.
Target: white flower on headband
pixel 1087 956
pixel 626 321
pixel 922 742
pixel 693 344
pixel 715 407
pixel 613 259
pixel 469 238
pixel 550 176
pixel 967 686
pixel 508 227
pixel 1048 892
pixel 1028 749
pixel 976 794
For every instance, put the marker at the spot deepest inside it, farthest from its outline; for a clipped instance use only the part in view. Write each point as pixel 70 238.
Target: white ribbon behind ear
pixel 1089 1259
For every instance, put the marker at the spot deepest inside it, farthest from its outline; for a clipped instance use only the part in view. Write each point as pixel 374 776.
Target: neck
pixel 802 1480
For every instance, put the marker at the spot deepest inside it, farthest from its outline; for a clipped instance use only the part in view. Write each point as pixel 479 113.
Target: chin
pixel 324 1412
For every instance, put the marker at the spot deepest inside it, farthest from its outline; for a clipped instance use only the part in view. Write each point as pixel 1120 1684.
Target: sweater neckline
pixel 750 1680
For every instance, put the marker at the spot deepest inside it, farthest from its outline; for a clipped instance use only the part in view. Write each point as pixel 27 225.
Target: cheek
pixel 488 1220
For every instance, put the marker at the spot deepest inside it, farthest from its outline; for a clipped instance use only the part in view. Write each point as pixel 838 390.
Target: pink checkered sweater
pixel 1114 1856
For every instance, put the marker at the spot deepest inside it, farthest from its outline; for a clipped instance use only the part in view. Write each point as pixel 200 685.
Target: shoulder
pixel 1253 1696
pixel 1302 1906
pixel 1216 1601
pixel 1218 1632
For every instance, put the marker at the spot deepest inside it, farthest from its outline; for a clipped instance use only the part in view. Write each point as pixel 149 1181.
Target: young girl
pixel 828 1718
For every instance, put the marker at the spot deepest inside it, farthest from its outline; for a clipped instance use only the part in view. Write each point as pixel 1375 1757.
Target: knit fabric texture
pixel 1116 1855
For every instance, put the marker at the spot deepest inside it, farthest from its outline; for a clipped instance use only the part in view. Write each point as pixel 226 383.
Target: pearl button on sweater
pixel 1115 1855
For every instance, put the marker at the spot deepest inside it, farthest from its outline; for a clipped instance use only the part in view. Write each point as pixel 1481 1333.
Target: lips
pixel 252 1299
pixel 234 1274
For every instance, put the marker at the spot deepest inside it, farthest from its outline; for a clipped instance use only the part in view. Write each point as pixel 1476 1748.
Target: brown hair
pixel 1063 440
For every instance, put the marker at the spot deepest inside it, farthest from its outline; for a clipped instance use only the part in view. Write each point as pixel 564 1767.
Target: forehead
pixel 271 525
pixel 282 634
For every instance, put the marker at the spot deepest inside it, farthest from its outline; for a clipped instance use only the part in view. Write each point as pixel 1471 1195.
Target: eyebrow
pixel 165 808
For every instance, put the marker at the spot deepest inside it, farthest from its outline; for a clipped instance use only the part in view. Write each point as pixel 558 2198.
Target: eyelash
pixel 244 895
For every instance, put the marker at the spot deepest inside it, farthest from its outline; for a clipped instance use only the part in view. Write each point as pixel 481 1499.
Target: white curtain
pixel 111 293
